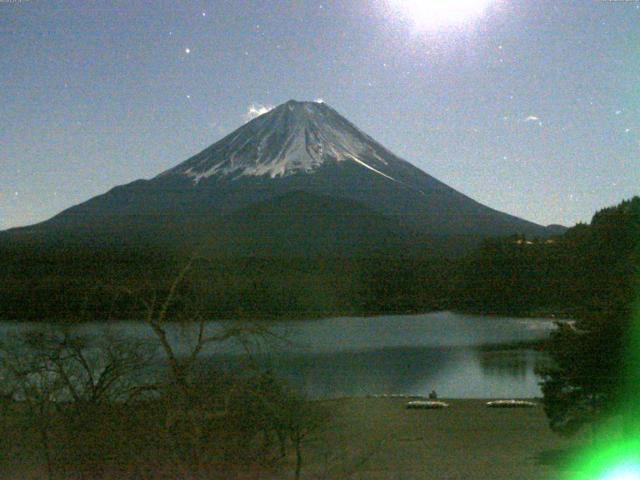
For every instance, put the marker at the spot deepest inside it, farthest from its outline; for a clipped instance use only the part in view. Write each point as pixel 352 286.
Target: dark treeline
pixel 585 269
pixel 102 284
pixel 515 275
pixel 595 369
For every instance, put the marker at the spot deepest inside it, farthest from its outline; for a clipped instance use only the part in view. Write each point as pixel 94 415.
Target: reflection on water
pixel 510 363
pixel 454 372
pixel 411 354
pixel 394 370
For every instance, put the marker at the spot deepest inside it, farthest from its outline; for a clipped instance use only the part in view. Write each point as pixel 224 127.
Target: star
pixel 187 51
pixel 204 14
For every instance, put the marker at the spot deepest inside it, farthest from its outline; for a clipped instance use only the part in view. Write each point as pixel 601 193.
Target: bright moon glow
pixel 438 14
pixel 623 472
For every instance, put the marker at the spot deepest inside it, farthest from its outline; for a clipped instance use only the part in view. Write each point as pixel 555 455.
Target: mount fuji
pixel 300 179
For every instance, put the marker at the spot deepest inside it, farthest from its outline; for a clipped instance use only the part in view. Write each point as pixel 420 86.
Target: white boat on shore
pixel 426 405
pixel 511 404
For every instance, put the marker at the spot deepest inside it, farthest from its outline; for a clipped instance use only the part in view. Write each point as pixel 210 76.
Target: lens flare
pixel 439 14
pixel 623 472
pixel 607 460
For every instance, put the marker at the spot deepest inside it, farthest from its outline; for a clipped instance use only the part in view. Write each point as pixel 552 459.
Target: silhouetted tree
pixel 591 374
pixel 62 376
pixel 584 383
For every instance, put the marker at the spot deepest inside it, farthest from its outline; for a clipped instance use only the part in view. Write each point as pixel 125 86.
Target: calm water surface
pixel 404 354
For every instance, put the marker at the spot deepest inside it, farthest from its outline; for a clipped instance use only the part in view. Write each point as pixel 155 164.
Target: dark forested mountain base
pixel 587 267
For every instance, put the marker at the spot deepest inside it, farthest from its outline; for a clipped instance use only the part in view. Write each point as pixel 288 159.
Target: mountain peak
pixel 303 103
pixel 299 110
pixel 293 138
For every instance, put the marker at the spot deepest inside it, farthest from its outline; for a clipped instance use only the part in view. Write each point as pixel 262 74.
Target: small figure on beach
pixel 433 395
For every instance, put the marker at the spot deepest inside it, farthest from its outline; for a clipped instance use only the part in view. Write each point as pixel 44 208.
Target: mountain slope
pixel 301 224
pixel 297 147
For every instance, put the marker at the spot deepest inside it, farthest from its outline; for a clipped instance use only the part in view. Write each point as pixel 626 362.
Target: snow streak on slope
pixel 357 160
pixel 296 137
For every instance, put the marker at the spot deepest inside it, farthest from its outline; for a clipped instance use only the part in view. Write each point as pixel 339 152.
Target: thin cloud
pixel 255 110
pixel 532 118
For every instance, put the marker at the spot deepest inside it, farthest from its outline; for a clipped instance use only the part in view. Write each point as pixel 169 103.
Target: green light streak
pixel 600 461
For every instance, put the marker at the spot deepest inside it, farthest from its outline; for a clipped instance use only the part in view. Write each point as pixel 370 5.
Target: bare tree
pixel 29 379
pixel 189 414
pixel 158 316
pixel 60 374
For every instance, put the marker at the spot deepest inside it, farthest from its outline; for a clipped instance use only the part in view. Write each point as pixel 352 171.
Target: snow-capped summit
pixel 296 137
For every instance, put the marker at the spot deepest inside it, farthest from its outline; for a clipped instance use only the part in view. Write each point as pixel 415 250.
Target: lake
pixel 396 354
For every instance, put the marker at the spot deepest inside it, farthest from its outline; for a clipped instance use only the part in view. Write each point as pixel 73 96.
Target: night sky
pixel 529 106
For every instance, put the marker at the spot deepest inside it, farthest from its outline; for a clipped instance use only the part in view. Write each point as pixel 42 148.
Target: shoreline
pixel 305 319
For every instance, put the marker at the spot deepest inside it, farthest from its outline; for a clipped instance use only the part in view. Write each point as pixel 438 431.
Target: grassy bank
pixel 383 440
pixel 373 438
